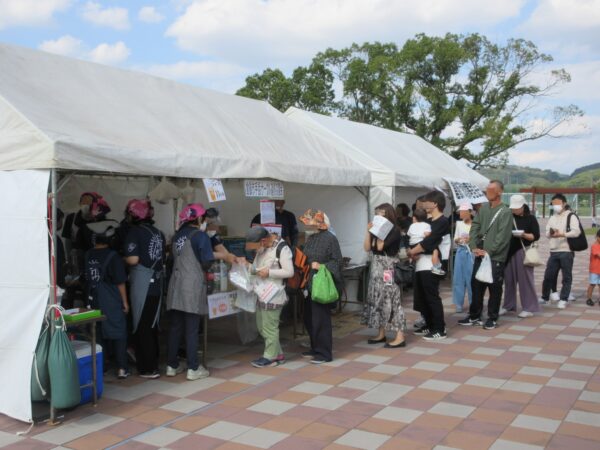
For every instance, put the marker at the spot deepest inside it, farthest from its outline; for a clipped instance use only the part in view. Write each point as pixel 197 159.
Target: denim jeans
pixel 556 262
pixel 463 271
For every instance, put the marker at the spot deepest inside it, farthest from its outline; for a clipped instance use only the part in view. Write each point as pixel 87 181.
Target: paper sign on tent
pixel 381 227
pixel 267 212
pixel 214 190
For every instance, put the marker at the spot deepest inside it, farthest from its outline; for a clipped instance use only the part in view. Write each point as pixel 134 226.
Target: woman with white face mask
pixel 212 221
pixel 561 257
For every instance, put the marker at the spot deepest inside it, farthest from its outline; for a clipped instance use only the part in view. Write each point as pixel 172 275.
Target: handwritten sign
pixel 267 212
pixel 263 189
pixel 214 190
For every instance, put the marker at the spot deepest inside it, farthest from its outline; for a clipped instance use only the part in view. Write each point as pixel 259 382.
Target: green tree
pixel 463 93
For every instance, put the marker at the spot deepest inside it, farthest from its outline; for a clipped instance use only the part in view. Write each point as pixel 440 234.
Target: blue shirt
pixel 200 244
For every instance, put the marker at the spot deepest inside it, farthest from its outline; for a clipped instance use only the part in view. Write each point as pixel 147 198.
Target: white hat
pixel 465 206
pixel 517 201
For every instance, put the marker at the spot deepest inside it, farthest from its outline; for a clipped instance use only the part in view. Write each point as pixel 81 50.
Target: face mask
pixel 211 233
pixel 85 210
pixel 557 208
pixel 203 226
pixel 310 232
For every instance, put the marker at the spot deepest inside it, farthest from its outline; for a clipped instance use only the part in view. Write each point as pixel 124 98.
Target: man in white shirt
pixel 561 255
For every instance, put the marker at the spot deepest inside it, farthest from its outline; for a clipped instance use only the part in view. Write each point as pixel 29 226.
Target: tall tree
pixel 473 98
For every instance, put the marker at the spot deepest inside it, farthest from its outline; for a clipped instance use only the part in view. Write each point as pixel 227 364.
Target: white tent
pixel 58 112
pixel 61 116
pixel 395 160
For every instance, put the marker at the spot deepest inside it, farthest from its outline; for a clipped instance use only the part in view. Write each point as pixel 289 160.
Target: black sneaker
pixel 422 331
pixel 150 375
pixel 319 360
pixel 468 322
pixel 308 354
pixel 437 336
pixel 490 324
pixel 589 302
pixel 419 323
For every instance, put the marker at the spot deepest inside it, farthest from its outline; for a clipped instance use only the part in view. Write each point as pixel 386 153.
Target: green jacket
pixel 498 237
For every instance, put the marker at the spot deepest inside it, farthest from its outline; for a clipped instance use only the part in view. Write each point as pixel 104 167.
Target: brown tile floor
pixel 530 384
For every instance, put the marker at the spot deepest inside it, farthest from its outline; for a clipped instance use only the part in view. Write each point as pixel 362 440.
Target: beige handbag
pixel 532 256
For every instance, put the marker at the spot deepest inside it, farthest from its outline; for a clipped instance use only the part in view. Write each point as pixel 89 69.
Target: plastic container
pixel 223 276
pixel 83 352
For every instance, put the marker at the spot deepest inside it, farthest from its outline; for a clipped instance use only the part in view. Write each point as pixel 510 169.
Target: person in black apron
pixel 187 297
pixel 144 250
pixel 106 276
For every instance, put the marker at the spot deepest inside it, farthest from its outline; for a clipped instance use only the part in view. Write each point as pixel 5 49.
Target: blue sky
pixel 217 43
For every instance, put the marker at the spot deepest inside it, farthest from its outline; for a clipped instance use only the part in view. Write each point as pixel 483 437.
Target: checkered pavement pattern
pixel 530 384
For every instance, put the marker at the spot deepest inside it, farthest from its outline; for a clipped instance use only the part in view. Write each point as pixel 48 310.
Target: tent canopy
pixel 393 158
pixel 57 112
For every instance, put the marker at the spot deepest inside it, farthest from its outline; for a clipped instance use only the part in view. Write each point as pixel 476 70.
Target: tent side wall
pixel 24 283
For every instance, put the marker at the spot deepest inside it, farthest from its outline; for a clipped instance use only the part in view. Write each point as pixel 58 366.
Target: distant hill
pixel 517 177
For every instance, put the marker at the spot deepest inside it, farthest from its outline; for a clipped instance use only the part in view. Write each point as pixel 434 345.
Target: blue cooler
pixel 83 352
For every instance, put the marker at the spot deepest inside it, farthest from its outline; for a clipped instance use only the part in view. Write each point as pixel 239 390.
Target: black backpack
pixel 580 242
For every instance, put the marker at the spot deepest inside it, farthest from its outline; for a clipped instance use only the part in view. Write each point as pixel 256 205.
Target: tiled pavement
pixel 532 383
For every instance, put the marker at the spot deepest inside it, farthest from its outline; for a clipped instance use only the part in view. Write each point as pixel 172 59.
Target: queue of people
pixel 123 272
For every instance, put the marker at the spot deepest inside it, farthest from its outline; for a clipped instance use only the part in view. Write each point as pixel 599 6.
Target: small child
pixel 418 231
pixel 594 269
pixel 105 281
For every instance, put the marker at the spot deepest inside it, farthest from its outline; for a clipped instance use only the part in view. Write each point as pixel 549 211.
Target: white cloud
pixel 109 54
pixel 285 30
pixel 116 17
pixel 149 14
pixel 565 27
pixel 66 45
pixel 565 154
pixel 29 12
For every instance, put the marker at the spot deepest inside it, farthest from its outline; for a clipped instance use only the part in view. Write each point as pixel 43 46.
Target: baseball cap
pixel 255 234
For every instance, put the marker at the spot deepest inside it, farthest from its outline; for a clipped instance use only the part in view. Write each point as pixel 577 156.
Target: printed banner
pixel 222 304
pixel 263 189
pixel 465 191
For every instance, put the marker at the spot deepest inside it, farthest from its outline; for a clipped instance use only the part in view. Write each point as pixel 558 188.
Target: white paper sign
pixel 222 304
pixel 381 227
pixel 465 191
pixel 214 190
pixel 264 189
pixel 267 212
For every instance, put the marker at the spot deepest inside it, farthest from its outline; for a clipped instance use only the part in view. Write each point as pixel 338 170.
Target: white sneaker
pixel 554 297
pixel 502 311
pixel 541 301
pixel 571 298
pixel 197 374
pixel 525 314
pixel 171 372
pixel 562 304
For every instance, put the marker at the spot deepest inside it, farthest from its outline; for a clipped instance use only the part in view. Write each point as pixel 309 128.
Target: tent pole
pixel 53 299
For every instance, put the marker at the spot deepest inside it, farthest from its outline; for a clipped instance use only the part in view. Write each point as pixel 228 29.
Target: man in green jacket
pixel 490 235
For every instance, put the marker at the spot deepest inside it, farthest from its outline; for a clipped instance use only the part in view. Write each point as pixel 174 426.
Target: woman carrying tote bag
pixel 526 231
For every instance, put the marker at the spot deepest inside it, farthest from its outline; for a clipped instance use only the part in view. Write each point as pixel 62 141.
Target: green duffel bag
pixel 323 287
pixel 62 365
pixel 40 378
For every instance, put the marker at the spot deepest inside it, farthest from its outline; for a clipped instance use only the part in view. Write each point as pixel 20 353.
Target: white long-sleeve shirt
pixel 558 222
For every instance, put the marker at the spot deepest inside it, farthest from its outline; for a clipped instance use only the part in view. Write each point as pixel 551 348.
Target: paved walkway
pixel 531 384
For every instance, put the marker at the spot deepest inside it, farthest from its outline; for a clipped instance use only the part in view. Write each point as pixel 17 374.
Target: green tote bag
pixel 323 287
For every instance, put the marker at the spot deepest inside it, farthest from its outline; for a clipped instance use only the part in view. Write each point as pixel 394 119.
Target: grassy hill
pixel 517 177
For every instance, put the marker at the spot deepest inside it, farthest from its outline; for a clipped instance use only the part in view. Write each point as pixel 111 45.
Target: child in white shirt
pixel 418 231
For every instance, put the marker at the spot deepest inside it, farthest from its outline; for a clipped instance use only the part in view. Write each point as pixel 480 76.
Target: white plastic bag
pixel 246 301
pixel 484 273
pixel 241 278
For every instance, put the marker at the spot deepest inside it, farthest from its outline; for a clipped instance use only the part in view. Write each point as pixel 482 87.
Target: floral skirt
pixel 383 307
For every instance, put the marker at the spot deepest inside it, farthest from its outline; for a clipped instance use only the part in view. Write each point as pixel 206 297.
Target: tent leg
pixel 52 298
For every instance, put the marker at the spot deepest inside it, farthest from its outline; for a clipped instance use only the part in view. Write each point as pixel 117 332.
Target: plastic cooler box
pixel 83 352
